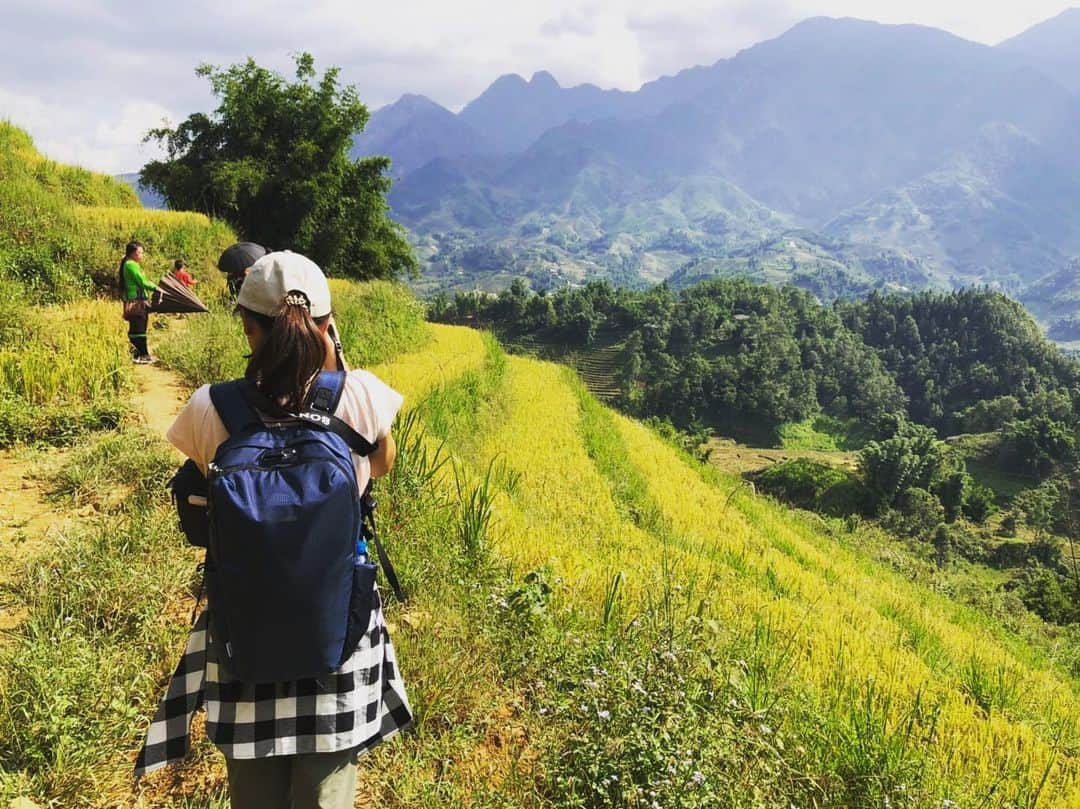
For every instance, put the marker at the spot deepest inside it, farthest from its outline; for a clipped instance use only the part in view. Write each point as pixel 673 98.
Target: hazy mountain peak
pixel 1060 30
pixel 413 130
pixel 507 81
pixel 823 32
pixel 414 102
pixel 543 78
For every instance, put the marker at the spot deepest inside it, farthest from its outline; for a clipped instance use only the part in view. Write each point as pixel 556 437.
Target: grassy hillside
pixel 63 229
pixel 597 619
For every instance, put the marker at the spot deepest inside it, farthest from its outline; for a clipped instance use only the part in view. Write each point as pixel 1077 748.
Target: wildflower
pixel 591 684
pixel 947 804
pixel 605 715
pixel 698 778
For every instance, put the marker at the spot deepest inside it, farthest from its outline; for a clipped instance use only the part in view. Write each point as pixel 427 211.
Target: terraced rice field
pixel 995 717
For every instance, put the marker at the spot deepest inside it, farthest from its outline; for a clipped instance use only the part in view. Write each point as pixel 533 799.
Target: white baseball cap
pixel 275 275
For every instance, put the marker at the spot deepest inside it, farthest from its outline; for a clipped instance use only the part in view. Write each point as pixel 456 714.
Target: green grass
pixel 80 674
pixel 823 433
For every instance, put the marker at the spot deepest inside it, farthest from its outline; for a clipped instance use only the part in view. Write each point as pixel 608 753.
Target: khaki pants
pixel 310 781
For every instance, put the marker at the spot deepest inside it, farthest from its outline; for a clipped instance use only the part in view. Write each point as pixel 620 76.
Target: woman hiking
pixel 289 741
pixel 134 290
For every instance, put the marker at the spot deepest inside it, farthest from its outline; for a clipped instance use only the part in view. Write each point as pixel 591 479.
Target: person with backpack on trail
pixel 291 659
pixel 134 288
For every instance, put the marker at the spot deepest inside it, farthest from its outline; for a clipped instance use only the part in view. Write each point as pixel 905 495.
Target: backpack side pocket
pixel 364 601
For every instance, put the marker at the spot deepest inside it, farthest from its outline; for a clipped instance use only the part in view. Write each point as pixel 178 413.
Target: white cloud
pixel 72 134
pixel 88 77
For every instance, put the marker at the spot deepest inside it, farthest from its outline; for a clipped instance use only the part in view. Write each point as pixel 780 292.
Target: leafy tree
pixel 272 160
pixel 979 503
pixel 921 510
pixel 991 414
pixel 913 458
pixel 1037 445
pixel 1039 507
pixel 953 491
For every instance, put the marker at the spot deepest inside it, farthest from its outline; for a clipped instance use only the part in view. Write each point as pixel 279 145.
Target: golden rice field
pixel 997 722
pixel 451 352
pixel 73 354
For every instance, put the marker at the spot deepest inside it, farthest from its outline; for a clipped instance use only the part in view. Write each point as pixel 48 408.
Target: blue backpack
pixel 290 597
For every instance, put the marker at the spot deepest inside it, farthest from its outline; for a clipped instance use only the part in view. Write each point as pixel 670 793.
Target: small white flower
pixel 698 778
pixel 605 715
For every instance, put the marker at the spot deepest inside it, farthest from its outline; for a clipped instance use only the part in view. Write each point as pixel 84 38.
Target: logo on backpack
pixel 318 418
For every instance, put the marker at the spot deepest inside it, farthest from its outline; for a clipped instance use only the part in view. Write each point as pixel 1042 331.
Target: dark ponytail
pixel 291 354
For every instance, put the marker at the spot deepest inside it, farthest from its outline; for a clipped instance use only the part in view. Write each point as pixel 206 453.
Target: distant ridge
pixel 1053 46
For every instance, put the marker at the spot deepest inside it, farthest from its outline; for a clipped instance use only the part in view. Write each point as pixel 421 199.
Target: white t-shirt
pixel 368 405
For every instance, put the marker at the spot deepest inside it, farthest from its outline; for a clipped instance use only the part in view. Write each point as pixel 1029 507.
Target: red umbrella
pixel 174 297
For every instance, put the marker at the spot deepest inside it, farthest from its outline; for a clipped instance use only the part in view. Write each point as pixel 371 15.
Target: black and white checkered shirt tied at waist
pixel 360 705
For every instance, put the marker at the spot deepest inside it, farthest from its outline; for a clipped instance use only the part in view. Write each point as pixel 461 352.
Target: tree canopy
pixel 273 161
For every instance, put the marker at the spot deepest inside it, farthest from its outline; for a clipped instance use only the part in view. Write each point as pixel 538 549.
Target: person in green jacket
pixel 135 286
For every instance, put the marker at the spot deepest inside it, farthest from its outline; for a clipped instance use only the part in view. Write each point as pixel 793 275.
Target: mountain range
pixel 843 155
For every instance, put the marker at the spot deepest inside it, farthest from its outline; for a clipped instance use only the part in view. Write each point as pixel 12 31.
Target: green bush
pixel 812 485
pixel 979 503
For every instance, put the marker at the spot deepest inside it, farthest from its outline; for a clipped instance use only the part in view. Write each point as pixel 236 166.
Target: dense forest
pixel 728 352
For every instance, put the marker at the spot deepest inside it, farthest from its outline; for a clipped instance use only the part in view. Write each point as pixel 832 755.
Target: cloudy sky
pixel 87 78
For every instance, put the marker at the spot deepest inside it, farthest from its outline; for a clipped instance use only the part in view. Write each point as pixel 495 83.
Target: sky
pixel 88 78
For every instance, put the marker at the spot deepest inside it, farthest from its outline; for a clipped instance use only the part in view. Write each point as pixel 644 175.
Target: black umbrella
pixel 175 298
pixel 239 257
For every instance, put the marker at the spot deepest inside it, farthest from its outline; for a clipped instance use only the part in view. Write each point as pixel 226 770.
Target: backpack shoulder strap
pixel 325 392
pixel 232 406
pixel 322 400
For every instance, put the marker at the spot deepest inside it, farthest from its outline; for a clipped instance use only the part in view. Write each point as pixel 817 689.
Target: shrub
pixel 979 503
pixel 812 485
pixel 918 512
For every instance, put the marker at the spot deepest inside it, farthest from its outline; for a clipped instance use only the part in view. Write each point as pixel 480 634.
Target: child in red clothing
pixel 182 275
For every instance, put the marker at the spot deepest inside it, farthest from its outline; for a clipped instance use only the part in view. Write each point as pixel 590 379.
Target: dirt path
pixel 28 521
pixel 160 397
